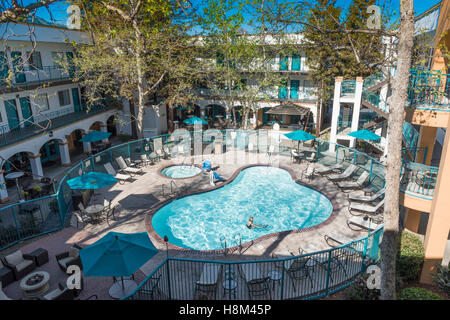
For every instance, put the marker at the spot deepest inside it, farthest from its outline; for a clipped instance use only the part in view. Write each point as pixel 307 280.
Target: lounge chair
pixel 119 176
pixel 167 152
pixel 333 168
pixel 352 250
pixel 218 177
pixel 344 175
pixel 359 183
pixel 365 207
pixel 123 167
pixel 257 284
pixel 145 161
pixel 362 224
pixel 362 198
pixel 206 286
pixel 295 156
pixel 308 173
pixel 132 163
pixel 337 237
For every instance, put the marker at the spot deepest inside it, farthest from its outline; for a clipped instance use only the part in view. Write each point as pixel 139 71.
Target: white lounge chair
pixel 308 173
pixel 361 198
pixel 167 152
pixel 123 167
pixel 359 183
pixel 344 175
pixel 362 224
pixel 365 207
pixel 337 237
pixel 121 177
pixel 325 170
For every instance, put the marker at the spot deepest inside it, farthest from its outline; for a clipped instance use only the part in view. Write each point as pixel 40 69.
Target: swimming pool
pixel 181 171
pixel 269 194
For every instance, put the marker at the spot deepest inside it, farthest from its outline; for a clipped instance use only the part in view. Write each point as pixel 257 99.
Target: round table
pixel 94 209
pixel 274 276
pixel 16 176
pixel 38 289
pixel 118 291
pixel 230 287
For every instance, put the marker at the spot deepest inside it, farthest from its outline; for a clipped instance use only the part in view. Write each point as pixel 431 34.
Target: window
pixel 35 60
pixel 57 58
pixel 64 98
pixel 284 62
pixel 295 62
pixel 42 102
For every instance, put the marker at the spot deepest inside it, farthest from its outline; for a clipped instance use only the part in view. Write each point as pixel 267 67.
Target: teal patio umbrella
pixel 95 136
pixel 92 180
pixel 299 135
pixel 117 255
pixel 364 135
pixel 195 120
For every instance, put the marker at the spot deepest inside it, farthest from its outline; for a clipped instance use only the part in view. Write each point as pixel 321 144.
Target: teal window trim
pixel 296 62
pixel 282 91
pixel 284 63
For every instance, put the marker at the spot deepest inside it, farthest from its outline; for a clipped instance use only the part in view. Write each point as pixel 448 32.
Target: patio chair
pixel 295 156
pixel 365 208
pixel 359 224
pixel 60 293
pixel 110 213
pixel 148 291
pixel 361 198
pixel 167 152
pixel 298 270
pixel 359 183
pixel 337 237
pixel 308 173
pixel 20 264
pixel 145 161
pixel 333 168
pixel 257 285
pixel 206 286
pixel 271 150
pixel 123 167
pixel 121 177
pixel 6 275
pixel 69 257
pixel 81 218
pixel 131 163
pixel 344 175
pixel 3 296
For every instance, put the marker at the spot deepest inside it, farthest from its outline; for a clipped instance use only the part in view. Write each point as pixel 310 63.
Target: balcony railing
pixel 305 94
pixel 348 87
pixel 58 119
pixel 35 77
pixel 429 88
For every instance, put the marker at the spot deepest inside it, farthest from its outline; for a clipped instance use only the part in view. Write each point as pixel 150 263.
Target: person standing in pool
pixel 251 225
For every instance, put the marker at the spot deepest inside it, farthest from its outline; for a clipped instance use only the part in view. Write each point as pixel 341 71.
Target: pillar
pixel 202 113
pixel 439 220
pixel 427 138
pixel 335 115
pixel 356 108
pixel 64 153
pixel 86 145
pixel 3 191
pixel 412 220
pixel 104 128
pixel 36 167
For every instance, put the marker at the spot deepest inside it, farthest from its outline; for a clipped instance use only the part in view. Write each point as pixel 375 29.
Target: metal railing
pixel 348 87
pixel 429 88
pixel 30 76
pixel 58 119
pixel 305 276
pixel 418 179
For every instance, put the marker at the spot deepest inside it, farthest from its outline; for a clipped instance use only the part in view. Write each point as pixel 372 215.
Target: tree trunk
pixel 389 244
pixel 140 85
pixel 171 113
pixel 245 118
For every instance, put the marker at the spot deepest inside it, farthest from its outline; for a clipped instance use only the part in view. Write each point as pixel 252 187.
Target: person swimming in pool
pixel 251 225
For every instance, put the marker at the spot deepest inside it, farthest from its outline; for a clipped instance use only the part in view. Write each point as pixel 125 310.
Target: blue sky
pixel 59 9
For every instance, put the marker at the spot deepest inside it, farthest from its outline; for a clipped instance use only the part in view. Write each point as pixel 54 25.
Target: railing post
pixel 371 168
pixel 168 278
pixel 282 280
pixel 15 222
pixel 328 271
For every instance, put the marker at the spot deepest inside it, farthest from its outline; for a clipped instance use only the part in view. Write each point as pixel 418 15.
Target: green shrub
pixel 410 257
pixel 442 279
pixel 360 291
pixel 417 294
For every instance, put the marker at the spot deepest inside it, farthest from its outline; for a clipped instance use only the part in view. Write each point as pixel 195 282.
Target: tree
pixel 11 11
pixel 135 46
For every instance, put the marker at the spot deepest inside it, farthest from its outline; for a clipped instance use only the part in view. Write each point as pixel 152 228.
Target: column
pixel 3 191
pixel 356 108
pixel 202 113
pixel 104 128
pixel 86 145
pixel 439 220
pixel 64 153
pixel 336 111
pixel 412 220
pixel 36 167
pixel 427 138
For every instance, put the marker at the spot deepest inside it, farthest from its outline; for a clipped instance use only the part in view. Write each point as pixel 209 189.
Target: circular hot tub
pixel 181 171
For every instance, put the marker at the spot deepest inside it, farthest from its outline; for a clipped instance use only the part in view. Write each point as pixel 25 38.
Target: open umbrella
pixel 299 135
pixel 195 120
pixel 364 135
pixel 95 136
pixel 117 255
pixel 92 180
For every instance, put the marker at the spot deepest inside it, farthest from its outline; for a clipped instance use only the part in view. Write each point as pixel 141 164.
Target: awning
pixel 289 109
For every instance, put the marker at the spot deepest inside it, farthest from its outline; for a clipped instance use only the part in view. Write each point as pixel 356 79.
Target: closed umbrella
pixel 92 180
pixel 95 136
pixel 195 120
pixel 117 255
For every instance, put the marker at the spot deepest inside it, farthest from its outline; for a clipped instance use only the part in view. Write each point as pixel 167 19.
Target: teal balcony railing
pixel 410 136
pixel 373 80
pixel 429 88
pixel 58 119
pixel 348 87
pixel 34 77
pixel 418 179
pixel 375 100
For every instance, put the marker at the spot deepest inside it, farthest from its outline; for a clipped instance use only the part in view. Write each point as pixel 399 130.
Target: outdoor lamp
pixel 166 240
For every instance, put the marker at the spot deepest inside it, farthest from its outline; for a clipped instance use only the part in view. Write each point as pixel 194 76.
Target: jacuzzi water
pixel 269 194
pixel 181 171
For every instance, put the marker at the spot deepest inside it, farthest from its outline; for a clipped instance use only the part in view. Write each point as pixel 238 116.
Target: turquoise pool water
pixel 267 193
pixel 181 171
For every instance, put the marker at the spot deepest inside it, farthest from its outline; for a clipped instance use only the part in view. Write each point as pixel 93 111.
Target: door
pixel 295 62
pixel 69 56
pixel 282 93
pixel 4 69
pixel 76 100
pixel 26 110
pixel 11 112
pixel 294 88
pixel 16 57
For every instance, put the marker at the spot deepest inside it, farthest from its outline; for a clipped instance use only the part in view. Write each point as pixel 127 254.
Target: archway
pixel 74 143
pixel 111 125
pixel 215 111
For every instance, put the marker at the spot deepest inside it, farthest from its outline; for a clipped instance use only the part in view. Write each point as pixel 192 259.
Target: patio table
pixel 117 291
pixel 94 210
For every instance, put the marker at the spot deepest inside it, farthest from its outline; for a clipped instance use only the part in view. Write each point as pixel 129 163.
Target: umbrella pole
pixel 123 287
